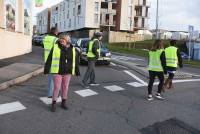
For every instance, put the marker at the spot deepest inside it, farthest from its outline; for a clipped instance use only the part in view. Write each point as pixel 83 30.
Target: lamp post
pixel 157 19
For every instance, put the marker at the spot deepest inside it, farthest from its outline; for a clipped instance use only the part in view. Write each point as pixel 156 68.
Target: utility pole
pixel 157 19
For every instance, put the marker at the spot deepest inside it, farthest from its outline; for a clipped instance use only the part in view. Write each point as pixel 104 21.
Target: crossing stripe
pixel 135 77
pixel 48 101
pixel 114 88
pixel 86 92
pixel 136 84
pixel 11 107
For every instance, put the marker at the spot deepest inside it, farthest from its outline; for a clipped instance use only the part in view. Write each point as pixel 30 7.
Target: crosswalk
pixel 125 58
pixel 18 106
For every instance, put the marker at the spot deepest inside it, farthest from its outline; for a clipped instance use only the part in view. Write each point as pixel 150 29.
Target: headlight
pixel 108 54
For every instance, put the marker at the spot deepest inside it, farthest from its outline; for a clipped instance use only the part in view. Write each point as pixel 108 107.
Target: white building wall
pixel 42 22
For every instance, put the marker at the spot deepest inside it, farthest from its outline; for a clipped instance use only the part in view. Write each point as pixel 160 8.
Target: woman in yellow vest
pixel 62 63
pixel 157 63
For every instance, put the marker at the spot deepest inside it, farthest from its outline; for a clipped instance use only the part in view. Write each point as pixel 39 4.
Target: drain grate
pixel 172 126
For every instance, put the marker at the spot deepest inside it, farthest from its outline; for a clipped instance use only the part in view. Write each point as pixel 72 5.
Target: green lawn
pixel 137 48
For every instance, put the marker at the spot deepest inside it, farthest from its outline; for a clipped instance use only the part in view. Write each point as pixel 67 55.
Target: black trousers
pixel 152 76
pixel 90 73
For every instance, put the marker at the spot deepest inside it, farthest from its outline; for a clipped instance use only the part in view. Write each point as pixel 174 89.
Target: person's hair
pixel 157 45
pixel 64 36
pixel 97 35
pixel 53 30
pixel 172 42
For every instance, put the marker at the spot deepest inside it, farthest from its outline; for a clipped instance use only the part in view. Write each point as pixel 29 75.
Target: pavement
pixel 117 106
pixel 21 68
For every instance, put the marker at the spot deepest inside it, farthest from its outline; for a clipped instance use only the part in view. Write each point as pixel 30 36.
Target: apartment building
pixel 43 21
pixel 15 27
pixel 104 15
pixel 77 14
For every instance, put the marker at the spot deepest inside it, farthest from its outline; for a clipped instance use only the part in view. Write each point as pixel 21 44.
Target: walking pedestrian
pixel 48 43
pixel 157 64
pixel 93 53
pixel 173 59
pixel 62 63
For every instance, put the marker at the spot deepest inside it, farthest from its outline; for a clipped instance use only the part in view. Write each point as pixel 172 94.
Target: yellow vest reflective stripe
pixel 90 54
pixel 73 61
pixel 48 43
pixel 171 56
pixel 154 61
pixel 55 59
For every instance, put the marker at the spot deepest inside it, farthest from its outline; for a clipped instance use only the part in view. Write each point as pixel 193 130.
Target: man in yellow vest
pixel 93 53
pixel 173 59
pixel 48 44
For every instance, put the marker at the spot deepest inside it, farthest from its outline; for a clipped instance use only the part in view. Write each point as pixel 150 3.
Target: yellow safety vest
pixel 55 64
pixel 48 43
pixel 154 61
pixel 90 54
pixel 171 56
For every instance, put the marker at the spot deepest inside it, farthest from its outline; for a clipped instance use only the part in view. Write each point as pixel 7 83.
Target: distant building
pixel 15 27
pixel 43 21
pixel 114 15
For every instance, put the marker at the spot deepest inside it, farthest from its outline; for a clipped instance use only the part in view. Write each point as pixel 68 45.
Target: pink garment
pixel 63 82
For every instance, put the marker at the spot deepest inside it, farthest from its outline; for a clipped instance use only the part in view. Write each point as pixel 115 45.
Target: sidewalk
pixel 19 69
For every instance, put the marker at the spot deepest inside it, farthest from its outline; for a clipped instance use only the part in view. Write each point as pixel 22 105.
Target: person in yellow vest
pixel 62 63
pixel 93 53
pixel 48 43
pixel 156 67
pixel 173 59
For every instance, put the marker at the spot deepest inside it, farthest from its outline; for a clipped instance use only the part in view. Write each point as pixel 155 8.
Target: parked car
pixel 37 40
pixel 184 55
pixel 105 55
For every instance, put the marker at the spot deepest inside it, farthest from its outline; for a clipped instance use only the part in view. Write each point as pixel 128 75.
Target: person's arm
pixel 180 61
pixel 95 47
pixel 163 61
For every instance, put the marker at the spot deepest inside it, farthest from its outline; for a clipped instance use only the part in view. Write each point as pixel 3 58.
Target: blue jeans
pixel 50 85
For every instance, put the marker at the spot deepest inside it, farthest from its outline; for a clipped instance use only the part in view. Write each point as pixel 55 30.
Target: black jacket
pixel 66 58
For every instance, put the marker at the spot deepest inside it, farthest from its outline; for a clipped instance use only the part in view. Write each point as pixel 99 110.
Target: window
pixel 69 23
pixel 130 11
pixel 130 2
pixel 143 21
pixel 114 5
pixel 67 14
pixel 79 10
pixel 96 6
pixel 73 11
pixel 96 18
pixel 107 19
pixel 104 5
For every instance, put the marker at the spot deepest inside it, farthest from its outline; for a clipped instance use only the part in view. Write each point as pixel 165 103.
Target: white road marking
pixel 114 88
pixel 135 77
pixel 86 92
pixel 136 84
pixel 11 107
pixel 113 64
pixel 48 101
pixel 181 81
pixel 126 58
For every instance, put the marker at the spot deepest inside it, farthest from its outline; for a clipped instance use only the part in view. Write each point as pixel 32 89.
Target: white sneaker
pixel 94 84
pixel 150 97
pixel 158 96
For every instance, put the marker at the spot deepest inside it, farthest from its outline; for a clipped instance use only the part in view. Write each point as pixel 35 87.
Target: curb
pixel 20 79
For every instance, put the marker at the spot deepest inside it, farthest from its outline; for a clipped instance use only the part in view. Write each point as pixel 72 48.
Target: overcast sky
pixel 173 14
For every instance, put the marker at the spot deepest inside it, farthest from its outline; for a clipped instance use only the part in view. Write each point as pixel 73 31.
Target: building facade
pixel 103 15
pixel 43 21
pixel 15 27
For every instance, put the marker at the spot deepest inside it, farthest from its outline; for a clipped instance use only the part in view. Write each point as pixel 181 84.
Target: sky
pixel 173 14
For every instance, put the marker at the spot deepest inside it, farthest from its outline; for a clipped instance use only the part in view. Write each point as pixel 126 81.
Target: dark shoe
pixel 63 105
pixel 53 106
pixel 94 84
pixel 49 96
pixel 159 96
pixel 84 84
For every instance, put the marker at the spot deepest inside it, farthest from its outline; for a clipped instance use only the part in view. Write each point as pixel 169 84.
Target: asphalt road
pixel 114 107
